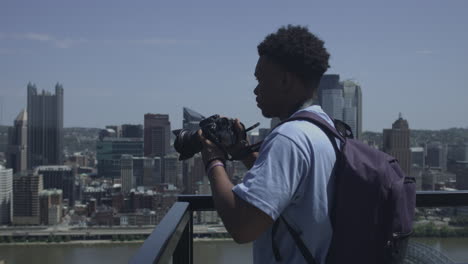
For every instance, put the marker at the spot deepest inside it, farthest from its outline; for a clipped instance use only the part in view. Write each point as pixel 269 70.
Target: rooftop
pixel 54 168
pixel 22 116
pixel 50 192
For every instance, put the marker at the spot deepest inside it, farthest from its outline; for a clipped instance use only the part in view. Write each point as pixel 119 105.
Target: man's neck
pixel 308 102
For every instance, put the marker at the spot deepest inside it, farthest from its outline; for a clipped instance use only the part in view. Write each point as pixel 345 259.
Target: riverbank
pixel 212 239
pixel 97 242
pixel 426 230
pixel 74 242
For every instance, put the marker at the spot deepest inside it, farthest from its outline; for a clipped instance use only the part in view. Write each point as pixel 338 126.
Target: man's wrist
pixel 212 164
pixel 211 154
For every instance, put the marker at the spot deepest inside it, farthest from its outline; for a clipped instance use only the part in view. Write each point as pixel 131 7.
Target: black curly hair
pixel 299 51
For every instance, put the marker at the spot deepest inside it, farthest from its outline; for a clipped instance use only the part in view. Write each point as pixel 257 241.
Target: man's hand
pixel 237 151
pixel 210 151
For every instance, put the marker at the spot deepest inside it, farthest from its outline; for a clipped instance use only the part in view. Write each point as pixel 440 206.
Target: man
pixel 291 175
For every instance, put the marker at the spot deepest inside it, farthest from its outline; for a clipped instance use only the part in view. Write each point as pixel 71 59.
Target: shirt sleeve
pixel 271 183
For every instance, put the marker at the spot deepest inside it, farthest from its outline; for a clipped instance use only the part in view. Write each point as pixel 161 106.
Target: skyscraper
pixel 191 119
pixel 173 170
pixel 396 142
pixel 45 127
pixel 460 168
pixel 341 100
pixel 352 111
pixel 193 171
pixel 6 192
pixel 151 171
pixel 109 151
pixel 189 167
pixel 418 157
pixel 327 82
pixel 157 129
pixel 126 173
pixel 132 131
pixel 50 204
pixel 26 188
pixel 458 152
pixel 332 96
pixel 139 171
pixel 59 177
pixel 17 143
pixel 436 155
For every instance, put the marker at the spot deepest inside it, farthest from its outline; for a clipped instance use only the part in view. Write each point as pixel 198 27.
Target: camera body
pixel 219 130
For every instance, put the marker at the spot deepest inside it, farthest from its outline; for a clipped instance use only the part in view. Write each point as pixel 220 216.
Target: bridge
pixel 75 234
pixel 100 233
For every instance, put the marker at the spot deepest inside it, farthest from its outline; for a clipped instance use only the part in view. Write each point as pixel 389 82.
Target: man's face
pixel 269 90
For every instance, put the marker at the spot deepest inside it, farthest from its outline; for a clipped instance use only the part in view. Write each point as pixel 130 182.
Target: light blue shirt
pixel 292 177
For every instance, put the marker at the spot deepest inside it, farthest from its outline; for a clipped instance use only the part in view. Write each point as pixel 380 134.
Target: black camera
pixel 219 130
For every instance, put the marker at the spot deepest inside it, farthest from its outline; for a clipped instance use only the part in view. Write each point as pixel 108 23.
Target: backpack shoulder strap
pixel 331 132
pixel 297 239
pixel 317 120
pixel 299 243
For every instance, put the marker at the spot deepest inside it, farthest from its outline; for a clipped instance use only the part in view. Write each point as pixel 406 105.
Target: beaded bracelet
pixel 212 165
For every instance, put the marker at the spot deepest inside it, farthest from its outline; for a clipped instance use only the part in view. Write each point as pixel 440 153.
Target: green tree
pixel 444 231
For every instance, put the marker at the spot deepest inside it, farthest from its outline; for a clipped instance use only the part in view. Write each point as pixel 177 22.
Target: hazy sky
pixel 118 60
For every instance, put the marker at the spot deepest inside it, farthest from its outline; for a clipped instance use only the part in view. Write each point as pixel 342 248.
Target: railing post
pixel 183 253
pixel 191 237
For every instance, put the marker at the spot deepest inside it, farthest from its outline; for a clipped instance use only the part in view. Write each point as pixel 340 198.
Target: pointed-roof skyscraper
pixel 17 143
pixel 191 119
pixel 45 126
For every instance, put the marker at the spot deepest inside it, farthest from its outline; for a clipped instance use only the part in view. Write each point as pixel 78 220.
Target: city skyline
pixel 137 71
pixel 118 62
pixel 267 124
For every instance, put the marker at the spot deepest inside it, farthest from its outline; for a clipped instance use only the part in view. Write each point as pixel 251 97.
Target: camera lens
pixel 186 143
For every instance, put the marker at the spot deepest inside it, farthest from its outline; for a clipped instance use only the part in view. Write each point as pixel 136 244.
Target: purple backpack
pixel 374 202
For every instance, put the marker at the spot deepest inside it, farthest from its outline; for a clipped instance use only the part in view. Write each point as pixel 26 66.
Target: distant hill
pixel 78 139
pixel 446 136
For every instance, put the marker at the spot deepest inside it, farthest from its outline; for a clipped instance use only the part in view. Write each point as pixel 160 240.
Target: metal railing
pixel 172 239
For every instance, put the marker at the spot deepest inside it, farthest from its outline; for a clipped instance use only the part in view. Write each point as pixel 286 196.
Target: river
pixel 207 252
